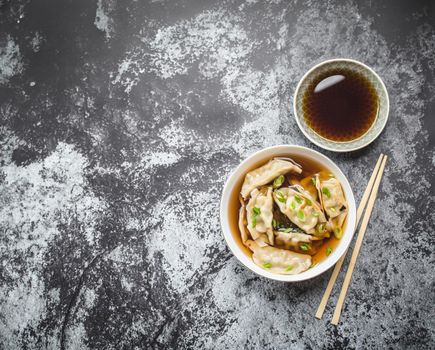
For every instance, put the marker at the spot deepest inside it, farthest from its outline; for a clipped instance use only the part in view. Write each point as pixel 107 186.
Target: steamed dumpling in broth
pixel 278 260
pixel 299 207
pixel 260 214
pixel 242 223
pixel 300 242
pixel 332 197
pixel 335 224
pixel 267 173
pixel 285 218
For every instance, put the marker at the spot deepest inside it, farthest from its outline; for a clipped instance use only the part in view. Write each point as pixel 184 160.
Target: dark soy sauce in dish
pixel 340 105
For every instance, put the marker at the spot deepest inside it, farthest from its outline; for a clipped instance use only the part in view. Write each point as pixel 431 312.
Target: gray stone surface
pixel 120 122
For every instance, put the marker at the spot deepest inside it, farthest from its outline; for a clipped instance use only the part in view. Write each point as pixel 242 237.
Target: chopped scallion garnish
pixel 254 221
pixel 328 251
pixel 338 232
pixel 326 192
pixel 267 265
pixel 301 215
pixel 305 246
pixel 278 181
pixel 280 196
pixel 255 212
pixel 289 268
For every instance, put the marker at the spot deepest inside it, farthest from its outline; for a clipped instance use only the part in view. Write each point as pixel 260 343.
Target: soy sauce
pixel 340 105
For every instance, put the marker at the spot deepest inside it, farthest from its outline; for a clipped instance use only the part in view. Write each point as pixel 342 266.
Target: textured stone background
pixel 120 122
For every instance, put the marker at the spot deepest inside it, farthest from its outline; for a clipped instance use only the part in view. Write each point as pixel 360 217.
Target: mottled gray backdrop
pixel 121 120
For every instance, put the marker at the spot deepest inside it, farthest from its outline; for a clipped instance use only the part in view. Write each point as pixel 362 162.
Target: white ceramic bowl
pixel 236 178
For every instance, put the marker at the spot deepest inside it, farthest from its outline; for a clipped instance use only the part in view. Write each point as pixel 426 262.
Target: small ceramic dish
pixel 372 133
pixel 229 209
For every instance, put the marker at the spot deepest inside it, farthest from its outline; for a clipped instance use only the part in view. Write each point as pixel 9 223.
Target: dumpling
pixel 279 260
pixel 260 215
pixel 242 223
pixel 299 207
pixel 267 173
pixel 322 230
pixel 299 242
pixel 291 239
pixel 331 195
pixel 336 224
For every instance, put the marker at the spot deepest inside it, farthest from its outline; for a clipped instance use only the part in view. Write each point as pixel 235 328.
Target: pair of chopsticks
pixel 368 199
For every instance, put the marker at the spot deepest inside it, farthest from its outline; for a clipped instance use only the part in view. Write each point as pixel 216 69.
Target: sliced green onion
pixel 288 230
pixel 280 196
pixel 267 265
pixel 293 205
pixel 328 251
pixel 313 180
pixel 254 221
pixel 326 192
pixel 338 233
pixel 274 223
pixel 278 181
pixel 301 215
pixel 289 268
pixel 316 214
pixel 255 212
pixel 298 199
pixel 308 201
pixel 305 247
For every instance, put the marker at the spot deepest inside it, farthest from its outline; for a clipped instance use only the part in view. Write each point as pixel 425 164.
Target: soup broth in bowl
pixel 288 213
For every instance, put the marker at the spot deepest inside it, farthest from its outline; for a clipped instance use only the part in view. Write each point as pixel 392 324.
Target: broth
pixel 309 167
pixel 340 105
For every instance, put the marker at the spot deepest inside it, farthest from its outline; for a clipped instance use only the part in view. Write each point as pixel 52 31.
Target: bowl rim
pixel 247 261
pixel 331 148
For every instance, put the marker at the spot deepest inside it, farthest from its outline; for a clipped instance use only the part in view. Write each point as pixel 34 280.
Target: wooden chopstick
pixel 356 249
pixel 337 268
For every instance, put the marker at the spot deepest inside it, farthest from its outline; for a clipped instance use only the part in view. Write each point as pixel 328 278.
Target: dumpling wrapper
pixel 322 230
pixel 299 207
pixel 296 241
pixel 267 173
pixel 264 202
pixel 278 260
pixel 262 239
pixel 242 224
pixel 336 224
pixel 331 195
